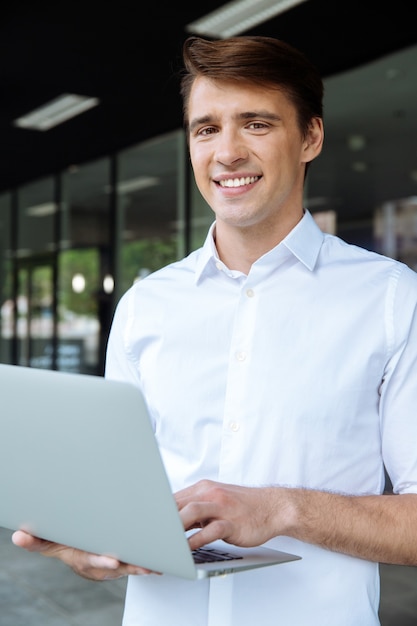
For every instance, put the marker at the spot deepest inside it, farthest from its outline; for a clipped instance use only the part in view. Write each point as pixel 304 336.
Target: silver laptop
pixel 79 465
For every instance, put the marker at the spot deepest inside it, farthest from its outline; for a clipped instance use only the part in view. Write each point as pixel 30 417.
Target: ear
pixel 313 142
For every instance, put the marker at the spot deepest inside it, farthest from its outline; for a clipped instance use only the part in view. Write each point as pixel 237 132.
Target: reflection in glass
pixel 35 327
pixel 35 262
pixel 78 310
pixel 148 193
pixel 85 259
pixel 395 230
pixel 36 218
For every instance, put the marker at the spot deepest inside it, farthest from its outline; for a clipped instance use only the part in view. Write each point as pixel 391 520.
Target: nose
pixel 230 147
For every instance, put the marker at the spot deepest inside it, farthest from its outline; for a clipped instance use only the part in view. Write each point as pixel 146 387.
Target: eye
pixel 207 130
pixel 257 125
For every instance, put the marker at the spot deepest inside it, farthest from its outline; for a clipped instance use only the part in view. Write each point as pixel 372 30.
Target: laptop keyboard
pixel 209 555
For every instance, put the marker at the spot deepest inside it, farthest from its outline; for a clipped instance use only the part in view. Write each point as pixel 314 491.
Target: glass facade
pixel 84 261
pixel 34 265
pixel 150 192
pixel 71 244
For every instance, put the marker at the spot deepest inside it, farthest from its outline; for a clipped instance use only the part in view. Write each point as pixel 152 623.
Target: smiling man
pixel 249 154
pixel 279 366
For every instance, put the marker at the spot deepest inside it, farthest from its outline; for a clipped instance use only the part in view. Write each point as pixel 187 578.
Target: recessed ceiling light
pixel 134 184
pixel 359 166
pixel 356 142
pixel 41 210
pixel 56 111
pixel 238 16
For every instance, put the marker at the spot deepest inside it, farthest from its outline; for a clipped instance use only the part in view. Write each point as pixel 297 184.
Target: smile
pixel 238 182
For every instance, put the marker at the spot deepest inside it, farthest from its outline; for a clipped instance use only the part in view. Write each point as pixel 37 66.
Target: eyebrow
pixel 246 115
pixel 206 119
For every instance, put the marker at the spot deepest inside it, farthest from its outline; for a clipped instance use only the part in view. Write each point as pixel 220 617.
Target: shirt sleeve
pixel 398 402
pixel 119 362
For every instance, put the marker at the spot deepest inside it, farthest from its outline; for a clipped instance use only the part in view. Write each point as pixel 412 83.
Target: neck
pixel 240 247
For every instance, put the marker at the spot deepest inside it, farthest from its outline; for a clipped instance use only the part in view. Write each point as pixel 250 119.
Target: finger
pixel 95 566
pixel 197 514
pixel 109 564
pixel 23 540
pixel 205 518
pixel 102 568
pixel 198 491
pixel 86 564
pixel 217 529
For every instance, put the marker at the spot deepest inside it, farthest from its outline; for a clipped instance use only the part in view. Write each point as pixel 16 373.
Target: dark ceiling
pixel 126 54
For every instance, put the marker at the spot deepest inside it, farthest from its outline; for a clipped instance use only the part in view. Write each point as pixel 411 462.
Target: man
pixel 279 366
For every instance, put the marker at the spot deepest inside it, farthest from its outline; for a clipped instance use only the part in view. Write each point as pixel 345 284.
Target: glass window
pixel 84 300
pixel 368 163
pixel 395 230
pixel 36 218
pixel 35 321
pixel 150 200
pixel 35 267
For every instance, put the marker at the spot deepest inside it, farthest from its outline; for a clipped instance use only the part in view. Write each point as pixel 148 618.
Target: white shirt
pixel 302 373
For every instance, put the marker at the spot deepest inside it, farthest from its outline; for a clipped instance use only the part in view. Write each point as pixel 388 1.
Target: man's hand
pixel 380 528
pixel 90 566
pixel 243 516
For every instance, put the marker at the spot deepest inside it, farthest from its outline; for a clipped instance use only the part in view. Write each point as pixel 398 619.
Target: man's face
pixel 247 151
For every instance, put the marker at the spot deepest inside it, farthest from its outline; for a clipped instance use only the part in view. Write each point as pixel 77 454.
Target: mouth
pixel 238 182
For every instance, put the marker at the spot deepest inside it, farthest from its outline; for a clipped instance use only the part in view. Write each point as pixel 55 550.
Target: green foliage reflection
pixel 141 257
pixel 86 263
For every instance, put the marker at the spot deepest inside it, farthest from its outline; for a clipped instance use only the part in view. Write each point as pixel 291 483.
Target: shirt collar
pixel 303 241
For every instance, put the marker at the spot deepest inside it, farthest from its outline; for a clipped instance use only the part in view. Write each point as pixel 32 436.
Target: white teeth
pixel 238 182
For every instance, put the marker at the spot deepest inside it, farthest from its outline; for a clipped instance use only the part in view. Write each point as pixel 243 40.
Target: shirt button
pixel 234 426
pixel 250 293
pixel 240 356
pixel 219 266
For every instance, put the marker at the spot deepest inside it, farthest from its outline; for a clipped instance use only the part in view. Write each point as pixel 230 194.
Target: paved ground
pixel 35 591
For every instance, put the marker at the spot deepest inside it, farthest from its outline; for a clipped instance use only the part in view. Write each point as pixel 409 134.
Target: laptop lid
pixel 79 465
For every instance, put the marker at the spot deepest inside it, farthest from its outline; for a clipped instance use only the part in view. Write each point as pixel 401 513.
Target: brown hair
pixel 257 60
